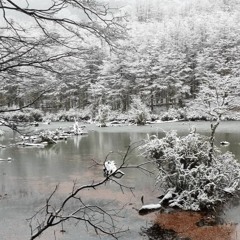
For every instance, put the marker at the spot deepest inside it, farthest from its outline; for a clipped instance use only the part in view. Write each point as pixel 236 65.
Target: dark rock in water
pixel 224 143
pixel 146 211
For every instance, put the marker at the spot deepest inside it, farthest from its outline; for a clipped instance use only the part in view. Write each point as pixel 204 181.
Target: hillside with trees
pixel 172 48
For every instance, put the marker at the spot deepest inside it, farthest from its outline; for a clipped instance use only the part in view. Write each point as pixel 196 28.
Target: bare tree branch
pixel 102 219
pixel 101 21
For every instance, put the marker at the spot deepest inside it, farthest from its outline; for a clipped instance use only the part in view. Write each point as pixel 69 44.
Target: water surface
pixel 28 180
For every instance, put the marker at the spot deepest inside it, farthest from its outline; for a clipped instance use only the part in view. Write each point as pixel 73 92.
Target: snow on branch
pixel 103 219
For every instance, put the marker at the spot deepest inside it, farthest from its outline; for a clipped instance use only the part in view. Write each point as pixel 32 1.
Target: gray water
pixel 30 178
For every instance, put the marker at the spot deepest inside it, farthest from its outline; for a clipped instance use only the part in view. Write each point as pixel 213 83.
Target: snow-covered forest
pixel 171 49
pixel 131 61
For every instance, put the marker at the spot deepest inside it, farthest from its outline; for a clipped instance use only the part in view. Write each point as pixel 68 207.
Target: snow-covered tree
pixel 103 113
pixel 217 100
pixel 139 111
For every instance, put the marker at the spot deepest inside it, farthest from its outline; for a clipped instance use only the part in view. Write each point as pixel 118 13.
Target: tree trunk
pixel 151 100
pixel 212 138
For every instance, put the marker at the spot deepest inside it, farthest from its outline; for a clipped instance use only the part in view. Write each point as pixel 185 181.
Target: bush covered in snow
pixel 173 114
pixel 69 115
pixel 189 179
pixel 195 115
pixel 25 115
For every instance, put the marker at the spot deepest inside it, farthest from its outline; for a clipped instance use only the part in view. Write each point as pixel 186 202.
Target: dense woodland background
pixel 170 49
pixel 141 60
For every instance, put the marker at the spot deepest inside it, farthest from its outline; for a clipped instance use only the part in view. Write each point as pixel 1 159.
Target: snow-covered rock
pixel 149 208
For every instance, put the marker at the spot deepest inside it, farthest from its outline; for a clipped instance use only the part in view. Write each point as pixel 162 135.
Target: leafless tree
pixel 93 16
pixel 21 48
pixel 102 219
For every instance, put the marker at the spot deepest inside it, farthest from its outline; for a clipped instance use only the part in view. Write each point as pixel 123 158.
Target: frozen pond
pixel 34 172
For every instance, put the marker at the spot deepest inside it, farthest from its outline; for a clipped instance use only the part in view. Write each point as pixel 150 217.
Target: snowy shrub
pixel 34 114
pixel 193 113
pixel 70 115
pixel 154 117
pixel 189 179
pixel 232 116
pixel 85 114
pixel 117 116
pixel 173 114
pixel 51 116
pixel 25 115
pixel 139 111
